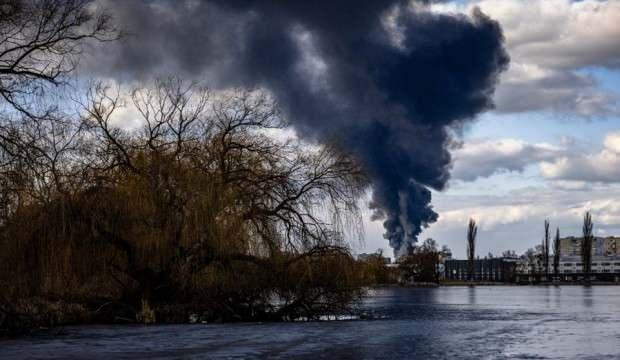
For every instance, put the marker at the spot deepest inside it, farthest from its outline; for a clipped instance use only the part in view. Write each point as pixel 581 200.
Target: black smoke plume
pixel 386 79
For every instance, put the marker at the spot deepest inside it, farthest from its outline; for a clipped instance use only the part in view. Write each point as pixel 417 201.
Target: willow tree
pixel 40 45
pixel 472 232
pixel 199 202
pixel 586 246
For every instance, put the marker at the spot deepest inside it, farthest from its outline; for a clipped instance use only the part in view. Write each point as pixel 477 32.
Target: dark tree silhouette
pixel 40 43
pixel 472 231
pixel 545 249
pixel 556 253
pixel 197 206
pixel 420 265
pixel 586 246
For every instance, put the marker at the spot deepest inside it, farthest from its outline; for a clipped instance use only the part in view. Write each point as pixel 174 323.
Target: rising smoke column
pixel 385 79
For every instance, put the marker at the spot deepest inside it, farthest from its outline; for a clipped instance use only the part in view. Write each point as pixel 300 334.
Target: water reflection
pixel 547 295
pixel 587 292
pixel 557 296
pixel 449 322
pixel 471 295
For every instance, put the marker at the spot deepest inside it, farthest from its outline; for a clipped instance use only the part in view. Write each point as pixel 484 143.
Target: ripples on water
pixel 449 322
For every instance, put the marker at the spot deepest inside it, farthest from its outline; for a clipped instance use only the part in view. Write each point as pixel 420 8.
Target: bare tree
pixel 40 42
pixel 197 202
pixel 586 246
pixel 420 264
pixel 472 232
pixel 556 253
pixel 197 156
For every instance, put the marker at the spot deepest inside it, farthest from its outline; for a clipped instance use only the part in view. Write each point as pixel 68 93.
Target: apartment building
pixel 600 264
pixel 605 261
pixel 602 246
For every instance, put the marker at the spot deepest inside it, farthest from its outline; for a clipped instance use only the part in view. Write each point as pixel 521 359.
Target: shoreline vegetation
pixel 40 316
pixel 201 208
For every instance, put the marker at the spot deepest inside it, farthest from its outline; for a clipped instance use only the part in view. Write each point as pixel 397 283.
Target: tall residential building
pixel 605 261
pixel 611 246
pixel 602 246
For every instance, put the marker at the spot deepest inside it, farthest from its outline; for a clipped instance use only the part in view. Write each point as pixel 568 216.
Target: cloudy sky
pixel 386 78
pixel 551 147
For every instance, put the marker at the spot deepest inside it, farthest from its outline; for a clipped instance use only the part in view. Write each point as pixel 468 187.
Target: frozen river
pixel 499 322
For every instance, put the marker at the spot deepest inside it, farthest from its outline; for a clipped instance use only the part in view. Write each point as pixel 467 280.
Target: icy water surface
pixel 499 322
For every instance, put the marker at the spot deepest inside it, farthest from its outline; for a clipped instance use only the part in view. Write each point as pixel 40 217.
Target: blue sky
pixel 551 148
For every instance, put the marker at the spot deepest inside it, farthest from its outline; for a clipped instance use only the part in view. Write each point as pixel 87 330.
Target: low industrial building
pixel 488 269
pixel 604 268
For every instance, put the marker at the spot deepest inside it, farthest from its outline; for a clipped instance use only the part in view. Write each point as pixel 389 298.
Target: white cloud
pixel 612 142
pixel 565 164
pixel 483 157
pixel 311 65
pixel 603 166
pixel 605 211
pixel 529 87
pixel 549 42
pixel 555 33
pixel 126 117
pixel 571 185
pixel 488 217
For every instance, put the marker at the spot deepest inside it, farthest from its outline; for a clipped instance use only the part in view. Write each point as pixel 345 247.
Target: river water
pixel 496 322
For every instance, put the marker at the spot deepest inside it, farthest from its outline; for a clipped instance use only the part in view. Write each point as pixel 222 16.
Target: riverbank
pixel 44 316
pixel 489 283
pixel 448 283
pixel 38 316
pixel 451 322
pixel 472 283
